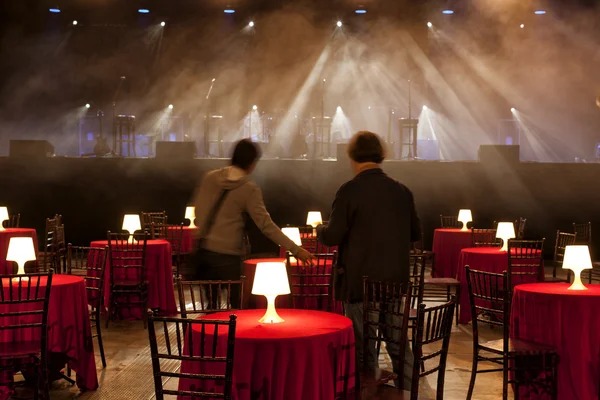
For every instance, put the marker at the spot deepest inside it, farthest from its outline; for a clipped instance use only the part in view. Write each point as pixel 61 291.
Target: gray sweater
pixel 227 232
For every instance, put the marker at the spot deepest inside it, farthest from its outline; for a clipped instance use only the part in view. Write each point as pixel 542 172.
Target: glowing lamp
pixel 293 234
pixel 314 219
pixel 163 23
pixel 20 250
pixel 190 213
pixel 131 223
pixel 251 24
pixel 271 280
pixel 3 217
pixel 465 217
pixel 577 258
pixel 505 231
pixel 429 25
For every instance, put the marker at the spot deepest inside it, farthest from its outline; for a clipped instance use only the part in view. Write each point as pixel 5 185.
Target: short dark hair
pixel 365 147
pixel 245 154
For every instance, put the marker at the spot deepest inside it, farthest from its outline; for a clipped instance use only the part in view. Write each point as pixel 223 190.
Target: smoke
pixel 296 65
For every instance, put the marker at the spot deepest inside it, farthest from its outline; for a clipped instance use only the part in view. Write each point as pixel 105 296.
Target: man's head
pixel 365 148
pixel 245 155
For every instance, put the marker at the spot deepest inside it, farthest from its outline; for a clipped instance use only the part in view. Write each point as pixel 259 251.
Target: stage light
pixel 87 105
pixel 55 10
pixel 339 24
pixel 163 23
pixel 75 22
pixel 338 109
pixel 512 110
pixel 361 11
pixel 429 25
pixel 229 11
pixel 143 11
pixel 522 26
pixel 170 106
pixel 324 80
pixel 424 108
pixel 540 12
pixel 448 12
pixel 251 24
pixel 255 107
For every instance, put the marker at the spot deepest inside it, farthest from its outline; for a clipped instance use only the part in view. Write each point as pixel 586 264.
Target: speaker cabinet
pixel 30 149
pixel 176 150
pixel 499 154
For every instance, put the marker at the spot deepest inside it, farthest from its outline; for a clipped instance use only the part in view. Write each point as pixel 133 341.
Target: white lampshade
pixel 505 231
pixel 577 258
pixel 293 234
pixel 131 223
pixel 271 280
pixel 190 213
pixel 3 216
pixel 314 219
pixel 465 217
pixel 20 250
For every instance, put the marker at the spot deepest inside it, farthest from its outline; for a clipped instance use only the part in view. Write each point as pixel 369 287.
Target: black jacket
pixel 374 222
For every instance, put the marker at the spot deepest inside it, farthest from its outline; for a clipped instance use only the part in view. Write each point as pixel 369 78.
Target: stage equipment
pixel 30 149
pixel 209 117
pixel 408 138
pixel 321 139
pixel 176 150
pixel 498 154
pixel 173 129
pixel 91 140
pixel 124 135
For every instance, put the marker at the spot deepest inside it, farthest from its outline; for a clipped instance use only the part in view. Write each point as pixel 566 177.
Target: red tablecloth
pixel 295 359
pixel 161 294
pixel 447 244
pixel 5 235
pixel 253 301
pixel 548 313
pixel 187 239
pixel 488 259
pixel 69 328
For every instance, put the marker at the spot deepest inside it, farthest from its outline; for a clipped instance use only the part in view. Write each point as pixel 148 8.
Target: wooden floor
pixel 128 374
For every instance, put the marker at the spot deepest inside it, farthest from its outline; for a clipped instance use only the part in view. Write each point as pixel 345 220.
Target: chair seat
pixel 518 347
pixel 20 349
pixel 386 392
pixel 442 281
pixel 375 376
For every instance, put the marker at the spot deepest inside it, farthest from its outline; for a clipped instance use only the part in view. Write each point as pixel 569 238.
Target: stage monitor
pixel 494 154
pixel 176 150
pixel 30 149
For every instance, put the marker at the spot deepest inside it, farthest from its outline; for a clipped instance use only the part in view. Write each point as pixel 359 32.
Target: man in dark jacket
pixel 374 222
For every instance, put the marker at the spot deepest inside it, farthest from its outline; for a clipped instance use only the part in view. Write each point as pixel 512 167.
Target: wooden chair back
pixel 127 259
pixel 311 287
pixel 148 218
pixel 583 233
pixel 194 342
pixel 205 297
pixel 13 221
pixel 89 263
pixel 563 239
pixel 417 278
pixel 450 221
pixel 525 261
pixel 485 238
pixel 520 228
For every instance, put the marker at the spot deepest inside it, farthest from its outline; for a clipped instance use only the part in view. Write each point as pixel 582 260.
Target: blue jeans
pixel 354 311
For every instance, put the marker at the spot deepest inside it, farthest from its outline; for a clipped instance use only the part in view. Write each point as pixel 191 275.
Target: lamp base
pixel 464 227
pixel 577 284
pixel 21 271
pixel 271 316
pixel 192 225
pixel 504 247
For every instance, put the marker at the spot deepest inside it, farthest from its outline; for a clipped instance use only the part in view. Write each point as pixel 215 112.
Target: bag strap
pixel 213 213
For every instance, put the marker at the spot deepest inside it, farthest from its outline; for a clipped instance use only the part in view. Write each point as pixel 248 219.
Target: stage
pixel 93 194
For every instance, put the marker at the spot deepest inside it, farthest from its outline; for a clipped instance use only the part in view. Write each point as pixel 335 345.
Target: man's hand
pixel 305 257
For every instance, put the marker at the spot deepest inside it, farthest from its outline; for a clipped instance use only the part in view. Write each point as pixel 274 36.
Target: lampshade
pixel 293 234
pixel 314 219
pixel 577 258
pixel 271 280
pixel 20 250
pixel 190 213
pixel 3 216
pixel 131 223
pixel 505 231
pixel 465 217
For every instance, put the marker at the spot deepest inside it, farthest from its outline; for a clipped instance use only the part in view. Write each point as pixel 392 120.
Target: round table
pixel 187 239
pixel 447 244
pixel 488 259
pixel 300 358
pixel 252 301
pixel 159 273
pixel 6 268
pixel 568 320
pixel 69 331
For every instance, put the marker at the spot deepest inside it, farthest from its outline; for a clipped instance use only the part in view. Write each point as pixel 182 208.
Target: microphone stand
pixel 410 124
pixel 207 120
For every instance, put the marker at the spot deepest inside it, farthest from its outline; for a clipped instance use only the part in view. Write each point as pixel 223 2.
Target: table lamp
pixel 190 213
pixel 294 235
pixel 505 231
pixel 577 258
pixel 314 219
pixel 465 217
pixel 271 280
pixel 20 250
pixel 3 217
pixel 131 223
